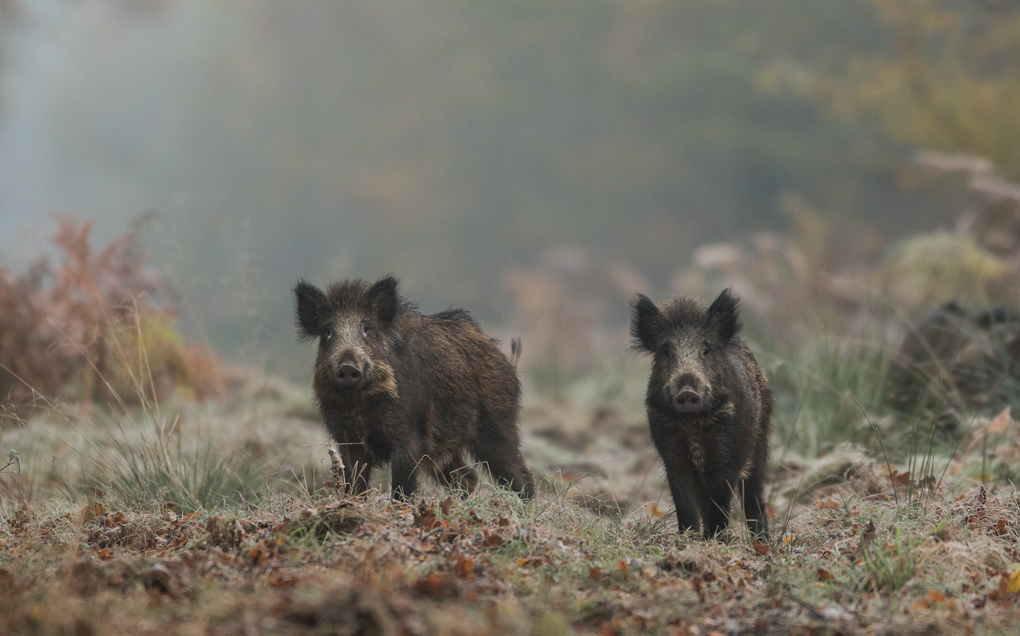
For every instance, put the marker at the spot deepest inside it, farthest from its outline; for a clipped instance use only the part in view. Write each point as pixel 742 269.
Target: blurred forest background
pixel 526 160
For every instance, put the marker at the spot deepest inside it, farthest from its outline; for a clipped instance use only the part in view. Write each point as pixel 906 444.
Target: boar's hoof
pixel 348 376
pixel 687 401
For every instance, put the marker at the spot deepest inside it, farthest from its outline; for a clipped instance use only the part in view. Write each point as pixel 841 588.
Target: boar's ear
pixel 722 316
pixel 644 324
pixel 383 296
pixel 311 310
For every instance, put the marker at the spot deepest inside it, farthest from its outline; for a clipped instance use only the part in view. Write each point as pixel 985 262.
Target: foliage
pixel 930 270
pixel 98 326
pixel 947 77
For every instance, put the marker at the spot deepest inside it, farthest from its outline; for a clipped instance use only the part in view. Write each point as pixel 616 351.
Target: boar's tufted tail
pixel 515 351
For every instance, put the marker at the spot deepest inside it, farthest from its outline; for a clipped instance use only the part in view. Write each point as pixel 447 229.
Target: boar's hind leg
pixel 459 476
pixel 499 447
pixel 509 471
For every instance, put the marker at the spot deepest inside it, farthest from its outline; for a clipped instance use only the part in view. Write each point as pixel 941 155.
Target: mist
pixel 449 142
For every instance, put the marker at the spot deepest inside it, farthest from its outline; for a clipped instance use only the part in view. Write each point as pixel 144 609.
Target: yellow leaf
pixel 1013 586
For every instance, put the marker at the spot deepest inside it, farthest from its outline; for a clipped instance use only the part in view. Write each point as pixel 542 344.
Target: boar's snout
pixel 349 376
pixel 687 400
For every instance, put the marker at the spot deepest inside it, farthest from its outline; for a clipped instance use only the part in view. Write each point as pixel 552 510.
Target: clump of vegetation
pixel 97 326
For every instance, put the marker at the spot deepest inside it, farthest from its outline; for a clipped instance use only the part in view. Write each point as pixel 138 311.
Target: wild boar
pixel 422 392
pixel 709 409
pixel 953 363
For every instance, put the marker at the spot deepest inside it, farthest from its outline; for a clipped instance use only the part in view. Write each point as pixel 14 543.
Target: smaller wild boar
pixel 709 409
pixel 420 392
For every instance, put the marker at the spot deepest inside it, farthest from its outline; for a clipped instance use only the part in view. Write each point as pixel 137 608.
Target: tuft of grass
pixel 888 565
pixel 162 470
pixel 822 388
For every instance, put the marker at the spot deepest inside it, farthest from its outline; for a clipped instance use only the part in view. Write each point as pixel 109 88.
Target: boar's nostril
pixel 348 376
pixel 687 400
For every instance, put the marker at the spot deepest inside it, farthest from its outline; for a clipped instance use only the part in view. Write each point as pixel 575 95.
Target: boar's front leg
pixel 686 512
pixel 404 472
pixel 357 467
pixel 717 508
pixel 755 504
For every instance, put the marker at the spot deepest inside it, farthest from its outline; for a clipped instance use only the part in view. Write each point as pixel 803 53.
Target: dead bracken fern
pixel 98 326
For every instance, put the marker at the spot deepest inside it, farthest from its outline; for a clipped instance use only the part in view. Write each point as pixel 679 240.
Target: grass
pixel 492 563
pixel 218 518
pixel 825 389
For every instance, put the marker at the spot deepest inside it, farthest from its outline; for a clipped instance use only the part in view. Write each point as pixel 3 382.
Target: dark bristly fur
pixel 709 409
pixel 432 390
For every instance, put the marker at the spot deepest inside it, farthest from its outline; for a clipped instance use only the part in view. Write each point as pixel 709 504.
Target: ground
pixel 225 518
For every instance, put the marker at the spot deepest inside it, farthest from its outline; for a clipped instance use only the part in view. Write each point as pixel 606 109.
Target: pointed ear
pixel 311 307
pixel 644 324
pixel 722 316
pixel 383 296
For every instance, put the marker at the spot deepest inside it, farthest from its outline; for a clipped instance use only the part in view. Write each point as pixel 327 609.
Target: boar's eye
pixel 665 350
pixel 366 329
pixel 706 351
pixel 327 336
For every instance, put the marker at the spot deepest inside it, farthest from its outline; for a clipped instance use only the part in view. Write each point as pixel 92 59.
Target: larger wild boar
pixel 709 409
pixel 420 392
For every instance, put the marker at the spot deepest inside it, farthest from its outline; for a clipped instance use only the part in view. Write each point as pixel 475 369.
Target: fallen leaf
pixel 465 567
pixel 762 549
pixel 425 518
pixel 929 600
pixel 1013 585
pixel 594 573
pixel 899 479
pixel 492 539
pixel 261 553
pixel 276 579
pixel 441 584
